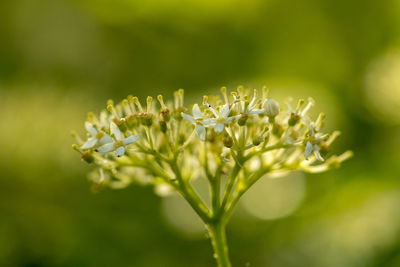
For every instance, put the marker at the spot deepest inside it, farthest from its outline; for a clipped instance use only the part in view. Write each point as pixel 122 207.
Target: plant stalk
pixel 217 233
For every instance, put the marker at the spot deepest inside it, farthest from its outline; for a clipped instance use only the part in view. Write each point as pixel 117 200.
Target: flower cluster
pixel 231 140
pixel 129 140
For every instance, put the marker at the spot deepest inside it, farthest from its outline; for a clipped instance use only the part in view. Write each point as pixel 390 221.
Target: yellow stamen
pixel 223 92
pixel 149 101
pixel 137 103
pixel 161 100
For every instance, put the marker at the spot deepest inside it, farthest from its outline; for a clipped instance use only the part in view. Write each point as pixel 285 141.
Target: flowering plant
pixel 231 141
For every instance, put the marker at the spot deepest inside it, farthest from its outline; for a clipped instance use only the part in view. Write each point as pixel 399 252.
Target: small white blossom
pixel 221 118
pixel 312 145
pixel 119 143
pixel 196 120
pixel 95 137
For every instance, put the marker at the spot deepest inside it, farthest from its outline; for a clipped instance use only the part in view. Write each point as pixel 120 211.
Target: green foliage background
pixel 60 59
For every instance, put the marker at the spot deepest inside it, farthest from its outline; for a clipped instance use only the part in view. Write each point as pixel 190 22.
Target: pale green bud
pixel 271 108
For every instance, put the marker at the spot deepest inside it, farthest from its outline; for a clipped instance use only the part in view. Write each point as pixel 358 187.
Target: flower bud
pixel 293 119
pixel 88 157
pixel 242 120
pixel 131 120
pixel 228 141
pixel 121 124
pixel 146 118
pixel 165 114
pixel 271 108
pixel 258 140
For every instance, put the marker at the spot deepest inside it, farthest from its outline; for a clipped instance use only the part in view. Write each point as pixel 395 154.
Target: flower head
pixel 168 133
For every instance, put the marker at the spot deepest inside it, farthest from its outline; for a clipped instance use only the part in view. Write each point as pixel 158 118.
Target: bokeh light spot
pixel 181 217
pixel 382 87
pixel 275 198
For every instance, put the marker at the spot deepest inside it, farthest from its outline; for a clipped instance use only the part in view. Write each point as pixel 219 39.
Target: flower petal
pixel 212 110
pixel 120 151
pixel 115 131
pixel 312 129
pixel 90 128
pixel 106 139
pixel 201 132
pixel 317 154
pixel 309 149
pixel 106 148
pixel 252 103
pixel 197 112
pixel 89 143
pixel 188 118
pixel 225 111
pixel 219 127
pixel 131 139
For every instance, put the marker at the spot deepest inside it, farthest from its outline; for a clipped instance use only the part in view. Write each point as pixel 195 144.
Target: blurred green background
pixel 60 59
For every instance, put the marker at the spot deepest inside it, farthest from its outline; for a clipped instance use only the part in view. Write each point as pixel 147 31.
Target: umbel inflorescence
pixel 231 140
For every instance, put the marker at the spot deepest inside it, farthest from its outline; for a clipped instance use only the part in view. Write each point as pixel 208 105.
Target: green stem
pixel 188 193
pixel 229 187
pixel 216 190
pixel 220 246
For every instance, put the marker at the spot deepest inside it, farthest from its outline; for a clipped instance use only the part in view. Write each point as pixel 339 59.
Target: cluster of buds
pixel 241 133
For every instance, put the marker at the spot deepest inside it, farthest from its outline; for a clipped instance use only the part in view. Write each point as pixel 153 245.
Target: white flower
pixel 95 137
pixel 250 109
pixel 312 148
pixel 312 145
pixel 196 120
pixel 221 118
pixel 119 143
